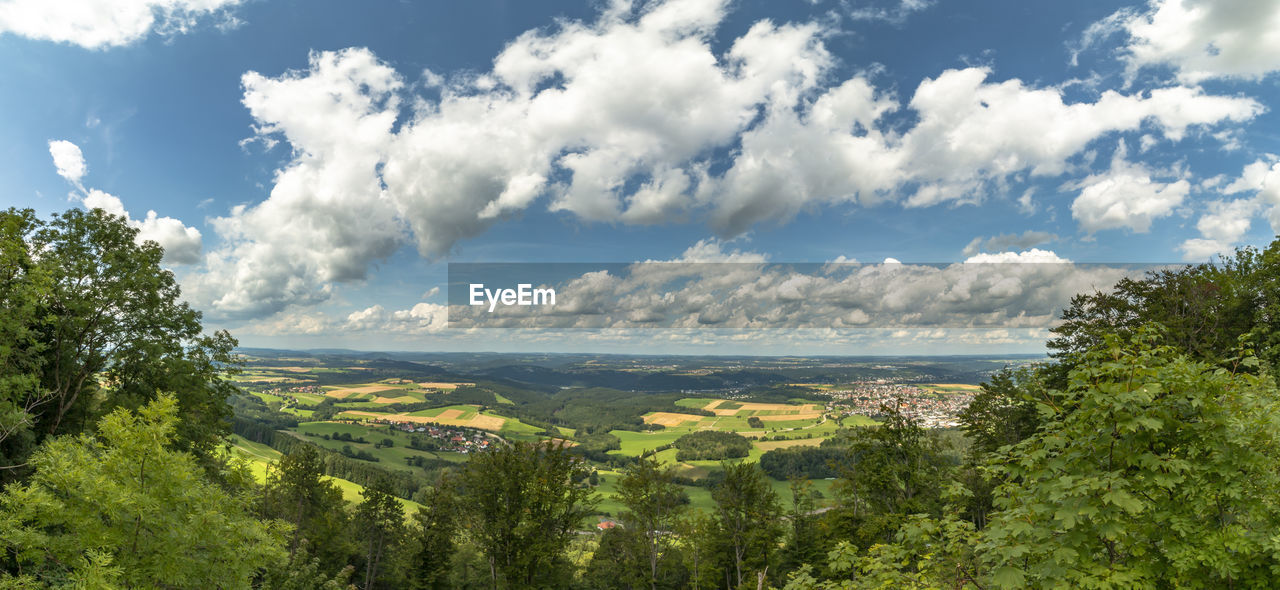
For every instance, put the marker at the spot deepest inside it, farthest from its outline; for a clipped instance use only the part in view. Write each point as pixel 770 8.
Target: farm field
pixel 350 401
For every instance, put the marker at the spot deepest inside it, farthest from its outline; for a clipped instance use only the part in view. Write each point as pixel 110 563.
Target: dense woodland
pixel 1146 454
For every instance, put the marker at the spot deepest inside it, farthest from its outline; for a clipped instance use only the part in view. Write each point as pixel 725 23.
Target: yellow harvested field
pixel 448 386
pixel 751 406
pixel 721 412
pixel 484 422
pixel 449 414
pixel 348 391
pixel 784 417
pixel 481 421
pixel 670 418
pixel 712 405
pixel 964 386
pixel 390 400
pixel 769 445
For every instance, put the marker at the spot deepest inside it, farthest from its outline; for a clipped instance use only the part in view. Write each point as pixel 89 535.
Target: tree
pixel 1156 471
pixel 437 522
pixel 520 507
pixel 803 544
pixel 23 285
pixel 654 502
pixel 895 468
pixel 1004 412
pixel 297 492
pixel 125 502
pixel 747 520
pixel 379 522
pixel 98 324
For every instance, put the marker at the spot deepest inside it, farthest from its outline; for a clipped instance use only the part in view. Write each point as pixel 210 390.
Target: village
pixel 931 408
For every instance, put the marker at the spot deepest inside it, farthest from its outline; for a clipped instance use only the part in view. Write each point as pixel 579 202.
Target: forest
pixel 1143 454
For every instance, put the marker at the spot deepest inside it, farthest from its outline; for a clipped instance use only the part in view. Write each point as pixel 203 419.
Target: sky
pixel 312 168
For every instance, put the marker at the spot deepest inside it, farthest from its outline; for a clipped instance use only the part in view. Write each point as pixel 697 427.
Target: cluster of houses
pixel 451 439
pixel 931 409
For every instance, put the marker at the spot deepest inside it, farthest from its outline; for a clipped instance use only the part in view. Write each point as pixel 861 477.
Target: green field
pixel 259 456
pixel 392 457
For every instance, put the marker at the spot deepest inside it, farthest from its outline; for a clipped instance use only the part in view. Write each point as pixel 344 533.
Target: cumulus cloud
pixel 1199 39
pixel 1221 227
pixel 1126 196
pixel 634 118
pixel 1224 223
pixel 68 160
pixel 999 290
pixel 328 217
pixel 971 131
pixel 182 244
pixel 1009 242
pixel 423 318
pixel 98 24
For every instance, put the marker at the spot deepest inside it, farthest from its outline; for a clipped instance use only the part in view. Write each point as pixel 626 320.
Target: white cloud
pixel 423 318
pixel 1203 39
pixel 972 131
pixel 1221 228
pixel 1126 196
pixel 894 11
pixel 97 24
pixel 1007 242
pixel 1006 290
pixel 328 217
pixel 182 244
pixel 623 120
pixel 1225 223
pixel 68 160
pixel 1034 255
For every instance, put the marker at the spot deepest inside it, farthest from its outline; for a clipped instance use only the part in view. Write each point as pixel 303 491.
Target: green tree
pixel 100 324
pixel 619 562
pixel 520 508
pixel 379 523
pixel 747 521
pixel 895 468
pixel 437 526
pixel 654 502
pixel 803 543
pixel 1156 470
pixel 125 502
pixel 297 492
pixel 23 285
pixel 1004 412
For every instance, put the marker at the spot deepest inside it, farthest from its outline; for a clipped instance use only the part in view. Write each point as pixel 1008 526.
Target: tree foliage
pixel 1156 470
pixel 519 506
pixel 95 323
pixel 127 501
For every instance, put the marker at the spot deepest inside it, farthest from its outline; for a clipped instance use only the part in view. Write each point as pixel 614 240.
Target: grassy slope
pixel 259 456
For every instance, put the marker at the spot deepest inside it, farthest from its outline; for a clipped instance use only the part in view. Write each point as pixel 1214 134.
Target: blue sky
pixel 312 167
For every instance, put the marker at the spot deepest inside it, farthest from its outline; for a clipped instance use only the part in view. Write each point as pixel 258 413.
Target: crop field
pixel 952 387
pixel 769 445
pixel 468 416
